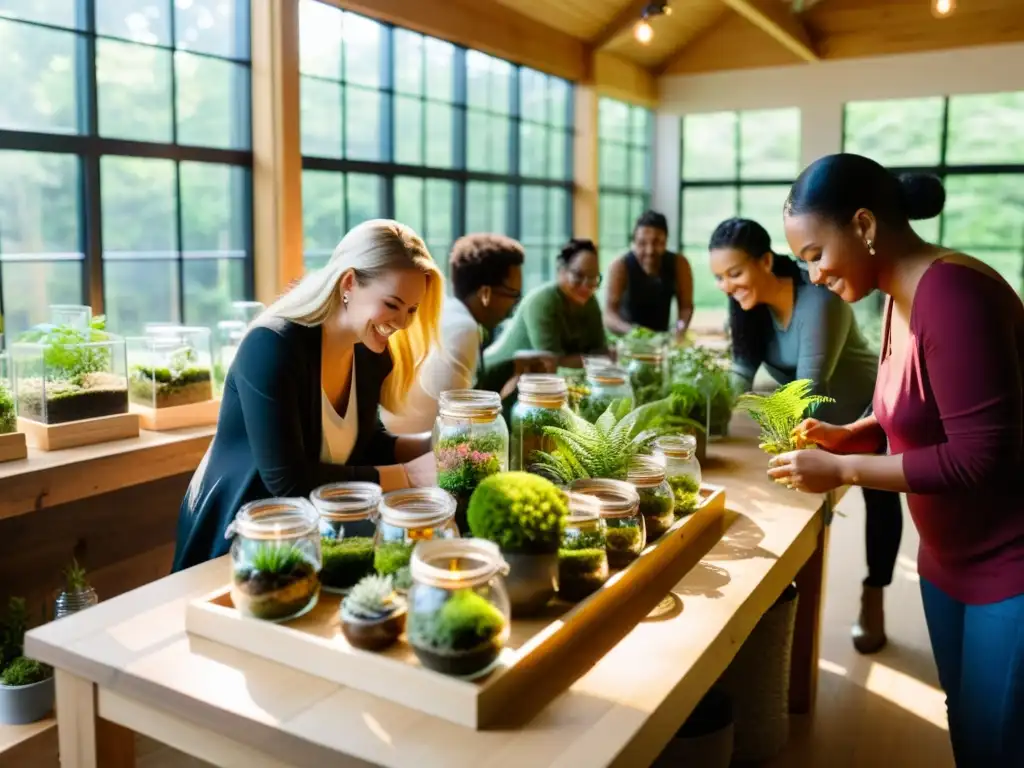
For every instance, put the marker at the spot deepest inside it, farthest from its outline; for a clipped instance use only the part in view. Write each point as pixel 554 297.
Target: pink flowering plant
pixel 464 460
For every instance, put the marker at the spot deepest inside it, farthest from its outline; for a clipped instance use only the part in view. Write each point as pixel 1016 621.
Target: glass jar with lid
pixel 459 613
pixel 543 402
pixel 470 443
pixel 645 364
pixel 678 453
pixel 605 385
pixel 275 558
pixel 619 507
pixel 348 523
pixel 582 559
pixel 406 517
pixel 647 475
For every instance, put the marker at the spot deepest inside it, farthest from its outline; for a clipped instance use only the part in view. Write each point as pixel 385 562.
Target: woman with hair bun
pixel 300 404
pixel 949 400
pixel 797 330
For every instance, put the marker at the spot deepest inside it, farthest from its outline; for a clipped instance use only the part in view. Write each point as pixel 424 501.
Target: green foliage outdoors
pixel 372 598
pixel 520 512
pixel 464 622
pixel 780 412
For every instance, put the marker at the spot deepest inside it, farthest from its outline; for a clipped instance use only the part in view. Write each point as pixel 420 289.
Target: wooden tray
pixel 13 446
pixel 178 416
pixel 71 434
pixel 542 658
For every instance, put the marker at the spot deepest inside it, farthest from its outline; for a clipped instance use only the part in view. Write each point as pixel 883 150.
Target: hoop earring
pixel 871 247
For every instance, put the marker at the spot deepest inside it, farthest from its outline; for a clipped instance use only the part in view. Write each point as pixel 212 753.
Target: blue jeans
pixel 979 650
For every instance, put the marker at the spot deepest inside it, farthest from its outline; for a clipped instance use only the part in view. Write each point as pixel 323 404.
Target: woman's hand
pixel 422 472
pixel 824 435
pixel 809 471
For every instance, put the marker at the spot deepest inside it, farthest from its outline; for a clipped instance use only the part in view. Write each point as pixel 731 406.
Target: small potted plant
pixel 373 614
pixel 77 593
pixel 26 685
pixel 391 558
pixel 463 637
pixel 276 582
pixel 523 514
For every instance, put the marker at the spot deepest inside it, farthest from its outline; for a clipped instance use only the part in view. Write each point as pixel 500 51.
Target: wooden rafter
pixel 623 21
pixel 783 25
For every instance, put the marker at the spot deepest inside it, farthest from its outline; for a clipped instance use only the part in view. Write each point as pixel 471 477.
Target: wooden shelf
pixel 28 745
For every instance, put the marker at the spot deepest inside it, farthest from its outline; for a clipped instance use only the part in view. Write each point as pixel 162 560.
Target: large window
pixel 624 179
pixel 734 164
pixel 126 159
pixel 444 139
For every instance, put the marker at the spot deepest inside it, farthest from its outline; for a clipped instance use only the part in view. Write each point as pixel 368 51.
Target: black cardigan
pixel 268 435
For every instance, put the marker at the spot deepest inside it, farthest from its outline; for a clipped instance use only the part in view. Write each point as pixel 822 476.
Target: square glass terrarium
pixel 170 366
pixel 63 373
pixel 8 412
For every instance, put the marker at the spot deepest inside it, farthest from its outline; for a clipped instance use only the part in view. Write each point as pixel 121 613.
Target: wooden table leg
pixel 84 739
pixel 803 674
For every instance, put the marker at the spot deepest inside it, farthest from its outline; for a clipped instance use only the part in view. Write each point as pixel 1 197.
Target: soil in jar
pixel 462 462
pixel 581 572
pixel 528 433
pixel 462 637
pixel 279 583
pixel 345 561
pixel 89 396
pixel 159 388
pixel 392 558
pixel 623 544
pixel 686 491
pixel 657 511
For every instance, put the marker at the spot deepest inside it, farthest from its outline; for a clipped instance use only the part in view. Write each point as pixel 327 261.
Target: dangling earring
pixel 871 247
pixel 344 299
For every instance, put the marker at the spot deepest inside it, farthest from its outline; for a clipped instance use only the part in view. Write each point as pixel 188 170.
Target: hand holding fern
pixel 808 471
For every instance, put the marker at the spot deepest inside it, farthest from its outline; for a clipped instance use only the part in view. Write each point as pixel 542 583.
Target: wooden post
pixel 810 582
pixel 585 179
pixel 85 740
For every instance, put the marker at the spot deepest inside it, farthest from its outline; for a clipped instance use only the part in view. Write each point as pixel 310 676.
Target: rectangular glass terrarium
pixel 65 374
pixel 8 412
pixel 170 367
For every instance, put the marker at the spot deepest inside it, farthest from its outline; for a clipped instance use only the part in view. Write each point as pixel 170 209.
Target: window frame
pixel 629 191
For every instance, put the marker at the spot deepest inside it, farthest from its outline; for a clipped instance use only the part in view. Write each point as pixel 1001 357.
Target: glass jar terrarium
pixel 647 476
pixel 678 454
pixel 470 443
pixel 594 362
pixel 348 524
pixel 619 507
pixel 582 559
pixel 170 366
pixel 275 558
pixel 459 612
pixel 8 411
pixel 604 386
pixel 405 518
pixel 543 402
pixel 645 364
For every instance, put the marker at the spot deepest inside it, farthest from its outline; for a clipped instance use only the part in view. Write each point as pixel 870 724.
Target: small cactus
pixel 372 598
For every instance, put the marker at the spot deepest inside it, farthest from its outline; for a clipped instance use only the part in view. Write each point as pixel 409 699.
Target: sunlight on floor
pixel 909 693
pixel 830 666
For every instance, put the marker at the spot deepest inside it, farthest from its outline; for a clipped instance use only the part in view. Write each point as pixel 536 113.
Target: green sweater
pixel 546 321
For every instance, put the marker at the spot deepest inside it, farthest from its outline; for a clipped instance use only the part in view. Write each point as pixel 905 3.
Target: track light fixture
pixel 643 31
pixel 943 8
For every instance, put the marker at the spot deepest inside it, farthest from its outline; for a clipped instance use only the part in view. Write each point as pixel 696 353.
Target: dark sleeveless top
pixel 647 300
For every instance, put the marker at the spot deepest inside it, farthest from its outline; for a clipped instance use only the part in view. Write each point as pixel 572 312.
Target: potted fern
pixel 780 413
pixel 373 614
pixel 523 514
pixel 26 685
pixel 77 594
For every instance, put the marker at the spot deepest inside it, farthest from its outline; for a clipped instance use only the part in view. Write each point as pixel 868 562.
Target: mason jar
pixel 678 454
pixel 275 558
pixel 406 517
pixel 543 402
pixel 459 613
pixel 582 559
pixel 647 476
pixel 348 523
pixel 619 507
pixel 470 442
pixel 605 386
pixel 646 368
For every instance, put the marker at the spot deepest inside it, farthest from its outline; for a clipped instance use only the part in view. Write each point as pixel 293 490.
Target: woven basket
pixel 758 683
pixel 705 740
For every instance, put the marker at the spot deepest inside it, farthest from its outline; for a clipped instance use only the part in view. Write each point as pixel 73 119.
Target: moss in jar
pixel 462 637
pixel 277 583
pixel 657 511
pixel 464 460
pixel 623 544
pixel 392 559
pixel 346 561
pixel 528 431
pixel 647 381
pixel 164 388
pixel 686 491
pixel 8 414
pixel 582 567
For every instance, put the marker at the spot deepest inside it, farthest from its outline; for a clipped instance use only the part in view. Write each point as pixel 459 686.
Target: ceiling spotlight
pixel 943 8
pixel 643 32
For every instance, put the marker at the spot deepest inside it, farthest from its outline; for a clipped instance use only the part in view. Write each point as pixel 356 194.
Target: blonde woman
pixel 300 403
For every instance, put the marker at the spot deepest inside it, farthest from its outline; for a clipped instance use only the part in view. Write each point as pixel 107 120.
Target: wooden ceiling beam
pixel 623 21
pixel 783 25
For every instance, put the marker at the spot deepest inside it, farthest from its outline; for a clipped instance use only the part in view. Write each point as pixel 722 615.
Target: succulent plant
pixel 520 512
pixel 372 598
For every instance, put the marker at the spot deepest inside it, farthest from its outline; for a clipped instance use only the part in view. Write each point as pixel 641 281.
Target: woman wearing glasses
pixel 561 318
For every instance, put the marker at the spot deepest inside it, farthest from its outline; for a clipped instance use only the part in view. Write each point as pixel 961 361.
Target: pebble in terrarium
pixel 170 367
pixel 678 454
pixel 542 402
pixel 470 442
pixel 348 513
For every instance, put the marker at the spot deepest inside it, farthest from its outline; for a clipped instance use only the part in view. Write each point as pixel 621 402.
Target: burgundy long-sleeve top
pixel 953 409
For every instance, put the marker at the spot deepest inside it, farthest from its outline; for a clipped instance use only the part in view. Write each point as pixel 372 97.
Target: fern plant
pixel 602 449
pixel 779 413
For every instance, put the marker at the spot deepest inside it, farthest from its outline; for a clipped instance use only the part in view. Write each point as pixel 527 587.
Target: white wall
pixel 820 91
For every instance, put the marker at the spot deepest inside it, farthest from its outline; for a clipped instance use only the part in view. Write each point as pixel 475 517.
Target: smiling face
pixel 581 277
pixel 741 276
pixel 649 244
pixel 837 256
pixel 382 305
